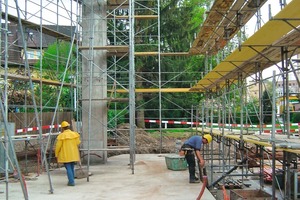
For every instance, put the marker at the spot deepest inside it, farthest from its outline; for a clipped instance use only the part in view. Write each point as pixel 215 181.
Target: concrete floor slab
pixel 114 180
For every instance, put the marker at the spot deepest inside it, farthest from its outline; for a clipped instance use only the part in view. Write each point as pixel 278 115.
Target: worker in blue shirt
pixel 191 146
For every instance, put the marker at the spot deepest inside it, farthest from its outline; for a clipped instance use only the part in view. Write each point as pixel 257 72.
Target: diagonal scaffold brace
pixel 228 172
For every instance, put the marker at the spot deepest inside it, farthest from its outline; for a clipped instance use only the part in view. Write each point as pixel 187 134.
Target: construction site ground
pixel 114 180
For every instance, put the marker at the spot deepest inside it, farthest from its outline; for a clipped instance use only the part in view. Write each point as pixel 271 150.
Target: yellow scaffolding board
pixel 261 140
pixel 154 90
pixel 243 61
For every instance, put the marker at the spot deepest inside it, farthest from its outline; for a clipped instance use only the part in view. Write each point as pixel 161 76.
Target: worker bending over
pixel 191 146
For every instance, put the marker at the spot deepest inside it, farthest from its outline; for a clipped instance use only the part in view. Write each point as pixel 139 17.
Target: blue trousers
pixel 70 171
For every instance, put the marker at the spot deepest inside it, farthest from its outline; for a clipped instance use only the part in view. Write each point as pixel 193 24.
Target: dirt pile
pixel 144 142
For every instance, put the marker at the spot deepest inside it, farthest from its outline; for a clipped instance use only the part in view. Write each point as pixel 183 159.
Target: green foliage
pixel 55 61
pixel 295 117
pixel 179 133
pixel 267 107
pixel 49 97
pixel 116 117
pixel 180 22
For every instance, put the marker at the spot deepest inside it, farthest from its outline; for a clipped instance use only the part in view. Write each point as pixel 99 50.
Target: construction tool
pixel 80 172
pixel 200 171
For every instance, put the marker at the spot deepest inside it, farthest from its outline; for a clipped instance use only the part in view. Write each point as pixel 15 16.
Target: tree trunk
pixel 140 114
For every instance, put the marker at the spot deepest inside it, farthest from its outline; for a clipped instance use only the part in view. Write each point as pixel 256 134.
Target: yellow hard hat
pixel 64 124
pixel 207 137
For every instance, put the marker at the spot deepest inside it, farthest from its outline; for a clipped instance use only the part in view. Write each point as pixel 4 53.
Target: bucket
pixel 176 162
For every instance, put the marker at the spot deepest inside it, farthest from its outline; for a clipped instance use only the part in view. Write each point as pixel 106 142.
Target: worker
pixel 192 147
pixel 66 150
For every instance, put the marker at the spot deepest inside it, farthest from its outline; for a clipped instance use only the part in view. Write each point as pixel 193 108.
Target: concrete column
pixel 94 80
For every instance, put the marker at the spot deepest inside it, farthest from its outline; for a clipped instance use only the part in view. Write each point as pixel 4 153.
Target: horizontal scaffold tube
pixel 288 145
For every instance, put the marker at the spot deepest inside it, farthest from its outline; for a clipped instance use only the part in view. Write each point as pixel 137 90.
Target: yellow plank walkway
pixel 240 61
pixel 261 140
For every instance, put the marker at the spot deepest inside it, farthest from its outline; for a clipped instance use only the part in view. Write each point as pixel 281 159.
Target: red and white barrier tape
pixel 216 124
pixel 226 125
pixel 25 130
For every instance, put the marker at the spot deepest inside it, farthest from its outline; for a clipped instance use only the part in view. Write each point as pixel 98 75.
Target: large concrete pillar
pixel 94 80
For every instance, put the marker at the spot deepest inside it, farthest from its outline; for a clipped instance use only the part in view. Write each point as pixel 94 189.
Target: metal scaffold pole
pixel 33 96
pixel 131 85
pixel 273 137
pixel 159 79
pixel 12 149
pixel 90 66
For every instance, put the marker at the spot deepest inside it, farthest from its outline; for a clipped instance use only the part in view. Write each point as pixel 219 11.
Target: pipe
pixel 288 145
pixel 225 196
pixel 203 187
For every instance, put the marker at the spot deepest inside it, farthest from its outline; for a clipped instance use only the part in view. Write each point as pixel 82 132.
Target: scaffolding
pixel 268 46
pixel 97 69
pixel 83 24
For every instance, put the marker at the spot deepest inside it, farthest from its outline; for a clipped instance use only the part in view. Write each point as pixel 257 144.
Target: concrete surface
pixel 114 180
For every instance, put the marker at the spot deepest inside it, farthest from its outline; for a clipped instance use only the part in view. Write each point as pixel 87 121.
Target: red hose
pixel 25 186
pixel 225 196
pixel 18 176
pixel 204 183
pixel 38 161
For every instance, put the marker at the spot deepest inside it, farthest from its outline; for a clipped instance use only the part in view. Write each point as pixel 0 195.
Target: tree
pixel 55 59
pixel 267 102
pixel 180 21
pixel 54 63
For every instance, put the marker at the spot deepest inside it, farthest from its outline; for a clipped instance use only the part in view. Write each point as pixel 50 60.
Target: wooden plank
pixel 37 80
pixel 117 4
pixel 107 149
pixel 138 17
pixel 123 50
pixel 112 48
pixel 155 90
pixel 222 15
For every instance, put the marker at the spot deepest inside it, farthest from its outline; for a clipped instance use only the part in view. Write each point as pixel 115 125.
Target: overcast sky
pixel 49 11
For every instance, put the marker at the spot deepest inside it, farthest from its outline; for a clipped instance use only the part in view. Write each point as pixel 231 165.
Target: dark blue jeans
pixel 70 171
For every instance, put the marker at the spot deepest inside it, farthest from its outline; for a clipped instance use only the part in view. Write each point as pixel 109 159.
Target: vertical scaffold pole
pixel 273 136
pixel 11 145
pixel 131 85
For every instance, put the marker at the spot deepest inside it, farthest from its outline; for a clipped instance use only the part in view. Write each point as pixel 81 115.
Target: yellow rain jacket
pixel 66 149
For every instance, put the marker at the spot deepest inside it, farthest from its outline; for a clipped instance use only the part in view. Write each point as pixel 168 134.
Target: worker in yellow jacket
pixel 66 150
